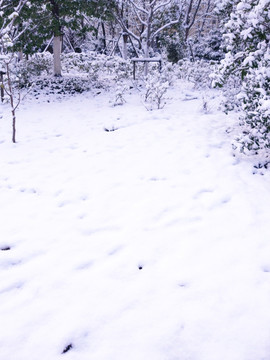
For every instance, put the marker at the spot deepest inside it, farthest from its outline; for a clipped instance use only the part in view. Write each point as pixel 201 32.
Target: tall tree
pixel 47 20
pixel 147 20
pixel 144 20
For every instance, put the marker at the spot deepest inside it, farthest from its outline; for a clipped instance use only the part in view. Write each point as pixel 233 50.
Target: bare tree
pixel 8 35
pixel 206 13
pixel 9 89
pixel 140 22
pixel 199 13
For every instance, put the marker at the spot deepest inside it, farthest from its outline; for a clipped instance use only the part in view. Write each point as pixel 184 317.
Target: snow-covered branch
pixel 125 28
pixel 152 3
pixel 139 8
pixel 173 22
pixel 139 17
pixel 9 21
pixel 161 5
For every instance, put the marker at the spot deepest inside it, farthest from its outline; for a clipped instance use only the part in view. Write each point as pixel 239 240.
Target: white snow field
pixel 149 242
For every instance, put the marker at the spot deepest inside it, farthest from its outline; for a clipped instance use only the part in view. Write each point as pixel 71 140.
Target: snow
pixel 146 241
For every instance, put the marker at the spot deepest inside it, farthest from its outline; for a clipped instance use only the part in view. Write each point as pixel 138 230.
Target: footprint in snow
pixel 28 190
pixel 64 203
pixel 85 266
pixel 183 285
pixel 203 192
pixel 13 287
pixel 115 250
pixel 84 197
pixel 266 269
pixel 9 263
pixel 220 202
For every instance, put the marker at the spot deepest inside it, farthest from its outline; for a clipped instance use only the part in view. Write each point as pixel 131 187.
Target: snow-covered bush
pixel 175 51
pixel 198 72
pixel 37 65
pixel 27 71
pixel 83 70
pixel 155 90
pixel 208 47
pixel 119 94
pixel 12 73
pixel 230 89
pixel 169 73
pixel 248 58
pixel 97 66
pixel 61 85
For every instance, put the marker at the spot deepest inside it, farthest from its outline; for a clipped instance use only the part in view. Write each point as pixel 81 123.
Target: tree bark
pixel 10 93
pixel 104 36
pixel 57 44
pixel 125 52
pixel 57 39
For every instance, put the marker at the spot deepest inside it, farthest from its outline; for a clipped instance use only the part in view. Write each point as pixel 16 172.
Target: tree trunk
pixel 57 44
pixel 104 36
pixel 148 36
pixel 125 52
pixel 146 55
pixel 11 98
pixel 57 38
pixel 147 51
pixel 13 125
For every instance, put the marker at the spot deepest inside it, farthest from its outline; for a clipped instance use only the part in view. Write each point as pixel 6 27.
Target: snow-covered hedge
pixel 96 66
pixel 61 85
pixel 208 47
pixel 100 71
pixel 40 64
pixel 198 72
pixel 248 59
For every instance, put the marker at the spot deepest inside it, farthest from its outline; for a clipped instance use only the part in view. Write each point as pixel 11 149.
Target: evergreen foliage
pixel 43 19
pixel 208 47
pixel 248 58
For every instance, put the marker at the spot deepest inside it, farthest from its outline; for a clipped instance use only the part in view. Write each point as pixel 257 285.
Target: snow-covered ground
pixel 149 242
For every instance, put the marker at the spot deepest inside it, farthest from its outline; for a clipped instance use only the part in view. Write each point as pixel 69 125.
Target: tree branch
pixel 161 5
pixel 139 17
pixel 138 7
pixel 123 26
pixel 164 27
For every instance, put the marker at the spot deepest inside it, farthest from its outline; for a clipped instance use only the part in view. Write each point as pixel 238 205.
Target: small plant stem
pixel 13 107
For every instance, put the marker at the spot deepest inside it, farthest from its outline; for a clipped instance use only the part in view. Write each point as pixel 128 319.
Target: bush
pixel 155 89
pixel 174 52
pixel 65 85
pixel 248 61
pixel 96 66
pixel 209 47
pixel 81 71
pixel 40 64
pixel 198 72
